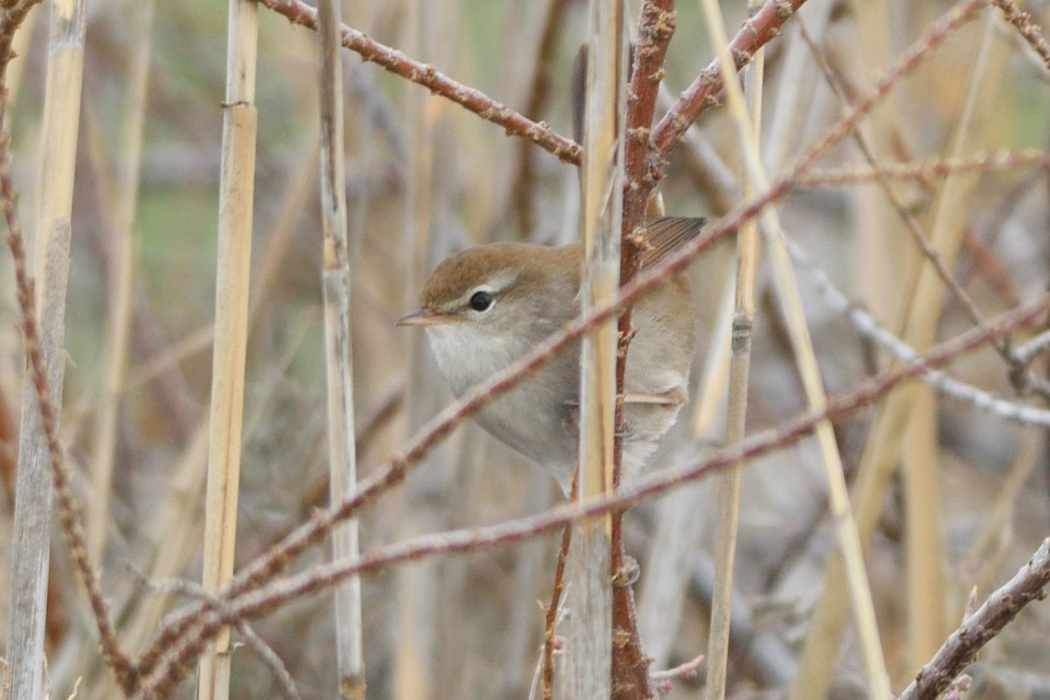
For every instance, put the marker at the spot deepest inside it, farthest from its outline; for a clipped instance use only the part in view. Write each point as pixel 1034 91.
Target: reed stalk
pixel 588 661
pixel 736 416
pixel 787 287
pixel 236 194
pixel 31 536
pixel 336 283
pixel 882 450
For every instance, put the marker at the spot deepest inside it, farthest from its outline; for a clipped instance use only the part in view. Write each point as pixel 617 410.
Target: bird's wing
pixel 667 233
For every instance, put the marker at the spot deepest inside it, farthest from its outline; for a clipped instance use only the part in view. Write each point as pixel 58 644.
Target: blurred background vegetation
pixel 426 178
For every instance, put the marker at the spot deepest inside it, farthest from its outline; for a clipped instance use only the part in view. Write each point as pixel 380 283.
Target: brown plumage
pixel 487 306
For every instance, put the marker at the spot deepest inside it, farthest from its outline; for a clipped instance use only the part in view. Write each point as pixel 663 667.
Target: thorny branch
pixel 961 648
pixel 429 77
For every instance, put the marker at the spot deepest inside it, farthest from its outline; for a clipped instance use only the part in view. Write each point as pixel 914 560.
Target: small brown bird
pixel 487 306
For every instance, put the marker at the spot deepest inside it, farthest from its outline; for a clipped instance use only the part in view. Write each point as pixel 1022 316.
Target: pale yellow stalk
pixel 588 660
pixel 736 416
pixel 236 193
pixel 31 534
pixel 336 285
pixel 845 530
pixel 882 450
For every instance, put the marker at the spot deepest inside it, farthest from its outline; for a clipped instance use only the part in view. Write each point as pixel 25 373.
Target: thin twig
pixel 1028 30
pixel 438 83
pixel 551 618
pixel 703 92
pixel 985 162
pixel 253 641
pixel 868 327
pixel 961 648
pixel 656 26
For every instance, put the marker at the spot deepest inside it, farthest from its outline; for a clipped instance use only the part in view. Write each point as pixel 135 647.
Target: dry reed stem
pixel 795 96
pixel 338 341
pixel 41 461
pixel 438 83
pixel 588 664
pixel 806 363
pixel 123 200
pixel 882 272
pixel 395 471
pixel 236 194
pixel 881 452
pixel 961 648
pixel 925 560
pixel 263 600
pixel 924 545
pixel 736 413
pixel 524 178
pixel 413 642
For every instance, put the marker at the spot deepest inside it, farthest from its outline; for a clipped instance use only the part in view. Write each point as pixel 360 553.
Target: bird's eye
pixel 481 301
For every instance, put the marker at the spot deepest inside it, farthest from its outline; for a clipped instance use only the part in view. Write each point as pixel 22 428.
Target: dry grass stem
pixel 736 413
pixel 236 196
pixel 588 664
pixel 336 285
pixel 42 304
pixel 884 440
pixel 805 358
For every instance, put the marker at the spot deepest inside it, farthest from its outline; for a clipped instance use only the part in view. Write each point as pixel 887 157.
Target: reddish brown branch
pixel 656 25
pixel 757 31
pixel 1028 30
pixel 438 83
pixel 961 648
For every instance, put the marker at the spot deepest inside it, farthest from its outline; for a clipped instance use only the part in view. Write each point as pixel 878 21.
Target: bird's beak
pixel 423 317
